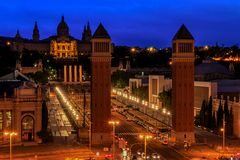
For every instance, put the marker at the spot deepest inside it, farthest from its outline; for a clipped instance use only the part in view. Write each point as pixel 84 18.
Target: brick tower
pixel 183 86
pixel 101 87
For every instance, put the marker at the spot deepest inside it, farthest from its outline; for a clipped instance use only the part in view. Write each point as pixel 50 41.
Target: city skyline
pixel 139 23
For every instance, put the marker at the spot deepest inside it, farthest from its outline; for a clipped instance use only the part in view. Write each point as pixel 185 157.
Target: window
pixel 27 128
pixel 154 86
pixel 185 47
pixel 8 120
pixel 101 47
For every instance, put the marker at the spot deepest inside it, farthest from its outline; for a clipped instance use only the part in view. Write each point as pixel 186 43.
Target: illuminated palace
pixel 61 46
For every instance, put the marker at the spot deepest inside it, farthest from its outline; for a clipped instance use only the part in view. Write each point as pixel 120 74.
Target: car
pixel 165 142
pixel 130 119
pixel 139 152
pixel 156 156
pixel 108 155
pixel 143 156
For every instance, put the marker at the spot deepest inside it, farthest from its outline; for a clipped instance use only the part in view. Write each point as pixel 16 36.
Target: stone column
pixel 70 73
pixel 65 73
pixel 75 73
pixel 4 119
pixel 38 121
pixel 18 124
pixel 80 73
pixel 4 123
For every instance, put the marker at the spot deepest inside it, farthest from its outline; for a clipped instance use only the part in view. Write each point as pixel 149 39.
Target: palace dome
pixel 62 29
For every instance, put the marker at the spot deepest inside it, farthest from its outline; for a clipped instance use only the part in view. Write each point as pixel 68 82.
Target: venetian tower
pixel 183 86
pixel 101 88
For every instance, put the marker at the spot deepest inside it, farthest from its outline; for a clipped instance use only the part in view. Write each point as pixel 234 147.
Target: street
pixel 125 127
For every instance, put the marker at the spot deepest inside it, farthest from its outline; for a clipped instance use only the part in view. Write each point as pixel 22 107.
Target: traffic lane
pixel 153 146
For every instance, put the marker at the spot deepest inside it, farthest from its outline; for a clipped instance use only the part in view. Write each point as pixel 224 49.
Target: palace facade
pixel 20 108
pixel 62 45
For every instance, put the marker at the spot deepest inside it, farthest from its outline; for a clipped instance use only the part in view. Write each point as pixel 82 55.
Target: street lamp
pixel 145 137
pixel 113 123
pixel 130 150
pixel 10 137
pixel 223 130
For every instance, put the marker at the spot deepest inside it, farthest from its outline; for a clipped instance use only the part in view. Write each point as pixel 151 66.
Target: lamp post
pixel 90 135
pixel 223 130
pixel 113 123
pixel 145 137
pixel 10 137
pixel 130 150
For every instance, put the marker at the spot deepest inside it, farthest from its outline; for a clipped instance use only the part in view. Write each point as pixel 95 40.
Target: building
pixel 228 88
pixel 210 70
pixel 61 46
pixel 157 84
pixel 202 90
pixel 101 88
pixel 235 105
pixel 25 70
pixel 138 81
pixel 20 108
pixel 183 86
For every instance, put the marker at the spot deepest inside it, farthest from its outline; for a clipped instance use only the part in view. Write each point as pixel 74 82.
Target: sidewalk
pixel 46 150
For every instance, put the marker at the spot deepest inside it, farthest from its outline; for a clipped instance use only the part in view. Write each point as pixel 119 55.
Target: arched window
pixel 27 128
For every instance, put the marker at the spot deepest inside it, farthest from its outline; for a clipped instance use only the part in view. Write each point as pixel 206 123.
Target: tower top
pixel 35 25
pixel 183 33
pixel 62 29
pixel 101 32
pixel 88 26
pixel 17 34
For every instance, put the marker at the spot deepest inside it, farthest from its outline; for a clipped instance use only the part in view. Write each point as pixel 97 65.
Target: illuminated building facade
pixel 20 108
pixel 61 46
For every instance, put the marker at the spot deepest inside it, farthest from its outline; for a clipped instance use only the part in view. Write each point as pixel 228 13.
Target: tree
pixel 202 113
pixel 30 57
pixel 44 134
pixel 165 98
pixel 220 116
pixel 8 60
pixel 44 116
pixel 39 77
pixel 120 79
pixel 209 114
pixel 213 125
pixel 230 123
pixel 141 92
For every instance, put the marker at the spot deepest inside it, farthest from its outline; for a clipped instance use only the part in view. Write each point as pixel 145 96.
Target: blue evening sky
pixel 129 22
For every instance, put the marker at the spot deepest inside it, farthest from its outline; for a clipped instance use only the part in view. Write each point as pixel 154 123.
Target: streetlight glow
pixel 145 137
pixel 113 123
pixel 10 134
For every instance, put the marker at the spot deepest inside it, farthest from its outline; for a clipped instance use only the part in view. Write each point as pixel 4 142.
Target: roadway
pixel 58 122
pixel 129 129
pixel 154 146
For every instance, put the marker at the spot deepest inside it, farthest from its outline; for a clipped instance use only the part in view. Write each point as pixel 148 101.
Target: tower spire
pixel 35 35
pixel 87 34
pixel 88 26
pixel 17 34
